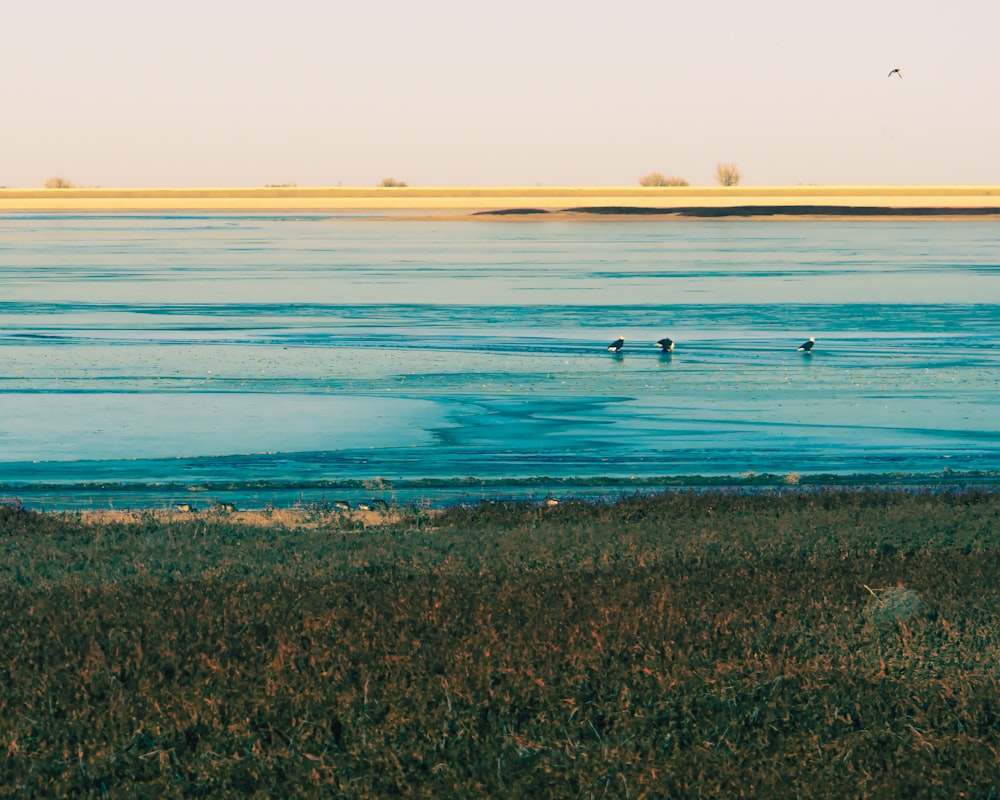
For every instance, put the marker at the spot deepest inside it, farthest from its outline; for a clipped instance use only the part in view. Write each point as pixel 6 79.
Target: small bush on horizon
pixel 727 174
pixel 659 179
pixel 58 183
pixel 389 183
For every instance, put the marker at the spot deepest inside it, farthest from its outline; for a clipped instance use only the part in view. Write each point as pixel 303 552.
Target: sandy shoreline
pixel 545 202
pixel 291 518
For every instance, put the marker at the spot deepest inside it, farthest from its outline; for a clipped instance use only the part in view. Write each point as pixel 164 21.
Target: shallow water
pixel 274 359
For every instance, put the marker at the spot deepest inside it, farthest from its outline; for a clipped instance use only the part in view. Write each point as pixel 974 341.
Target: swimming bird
pixel 666 345
pixel 895 72
pixel 807 345
pixel 617 345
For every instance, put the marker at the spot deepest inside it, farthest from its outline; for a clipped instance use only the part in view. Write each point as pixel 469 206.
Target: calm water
pixel 155 358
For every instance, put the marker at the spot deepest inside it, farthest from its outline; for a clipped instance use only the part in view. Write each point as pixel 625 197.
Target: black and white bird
pixel 666 345
pixel 617 345
pixel 895 71
pixel 807 345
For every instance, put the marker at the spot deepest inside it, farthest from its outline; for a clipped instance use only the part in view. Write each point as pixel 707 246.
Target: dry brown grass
pixel 813 644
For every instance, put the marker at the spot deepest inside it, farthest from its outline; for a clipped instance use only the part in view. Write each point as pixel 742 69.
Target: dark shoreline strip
pixel 502 212
pixel 762 211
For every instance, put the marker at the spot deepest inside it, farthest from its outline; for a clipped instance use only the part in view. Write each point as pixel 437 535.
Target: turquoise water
pixel 149 359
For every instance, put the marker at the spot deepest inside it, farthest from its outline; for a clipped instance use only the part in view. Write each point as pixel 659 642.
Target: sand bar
pixel 749 200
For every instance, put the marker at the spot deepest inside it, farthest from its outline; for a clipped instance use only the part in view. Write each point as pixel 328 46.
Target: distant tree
pixel 659 179
pixel 727 174
pixel 58 183
pixel 391 182
pixel 280 185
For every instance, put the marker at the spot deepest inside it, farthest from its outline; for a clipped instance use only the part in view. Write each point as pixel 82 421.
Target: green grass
pixel 841 644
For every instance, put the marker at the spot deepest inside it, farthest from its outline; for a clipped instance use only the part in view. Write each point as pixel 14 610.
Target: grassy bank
pixel 824 645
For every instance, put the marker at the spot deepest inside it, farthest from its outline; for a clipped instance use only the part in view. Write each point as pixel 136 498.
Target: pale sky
pixel 138 93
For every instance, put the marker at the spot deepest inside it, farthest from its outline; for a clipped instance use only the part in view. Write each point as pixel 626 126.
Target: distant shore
pixel 530 202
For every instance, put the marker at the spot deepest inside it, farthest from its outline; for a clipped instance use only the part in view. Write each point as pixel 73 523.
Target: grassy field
pixel 814 644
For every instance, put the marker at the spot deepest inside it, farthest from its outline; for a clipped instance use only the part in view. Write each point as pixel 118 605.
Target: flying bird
pixel 895 72
pixel 666 345
pixel 807 345
pixel 617 345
